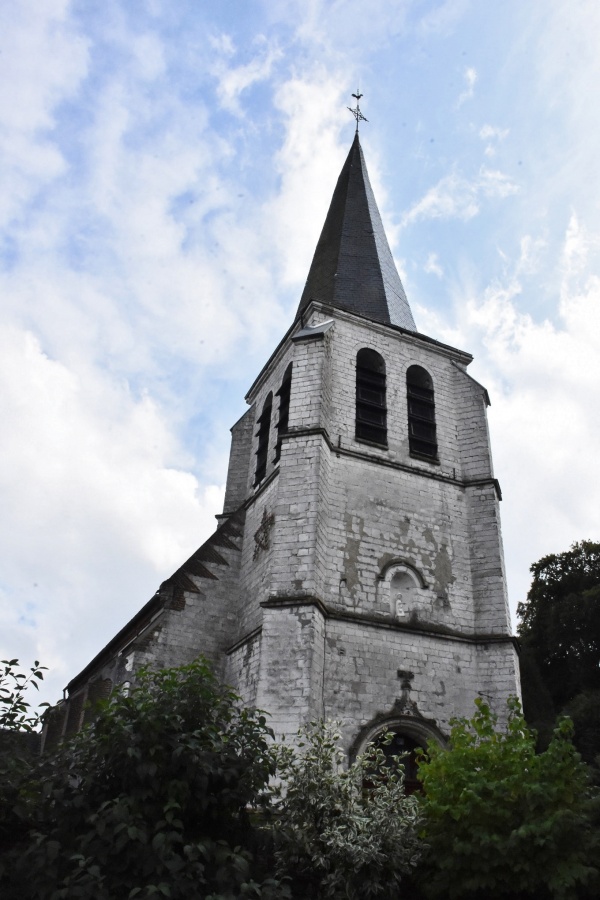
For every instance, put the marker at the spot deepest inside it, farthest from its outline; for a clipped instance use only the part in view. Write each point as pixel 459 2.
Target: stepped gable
pixel 171 593
pixel 197 565
pixel 353 267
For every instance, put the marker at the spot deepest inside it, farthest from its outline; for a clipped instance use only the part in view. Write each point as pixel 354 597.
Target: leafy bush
pixel 15 709
pixel 152 800
pixel 18 741
pixel 344 832
pixel 502 821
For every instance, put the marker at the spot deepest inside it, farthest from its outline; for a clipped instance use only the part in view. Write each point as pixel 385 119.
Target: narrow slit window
pixel 422 439
pixel 284 394
pixel 371 411
pixel 264 430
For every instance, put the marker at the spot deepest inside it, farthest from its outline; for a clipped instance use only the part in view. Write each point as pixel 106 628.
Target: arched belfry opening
pixel 422 439
pixel 263 433
pixel 371 409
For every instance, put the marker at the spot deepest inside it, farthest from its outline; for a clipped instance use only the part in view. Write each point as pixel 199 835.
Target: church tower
pixel 357 571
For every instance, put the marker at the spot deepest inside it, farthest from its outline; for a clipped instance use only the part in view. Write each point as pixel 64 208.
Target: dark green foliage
pixel 584 710
pixel 344 832
pixel 18 741
pixel 502 821
pixel 560 634
pixel 538 707
pixel 166 795
pixel 560 622
pixel 152 800
pixel 15 710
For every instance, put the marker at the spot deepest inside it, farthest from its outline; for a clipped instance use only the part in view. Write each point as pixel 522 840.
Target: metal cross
pixel 356 112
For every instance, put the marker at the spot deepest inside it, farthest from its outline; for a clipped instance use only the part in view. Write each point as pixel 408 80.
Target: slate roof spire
pixel 353 267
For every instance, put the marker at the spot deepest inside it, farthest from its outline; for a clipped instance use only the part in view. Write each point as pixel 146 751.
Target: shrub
pixel 151 800
pixel 502 821
pixel 344 832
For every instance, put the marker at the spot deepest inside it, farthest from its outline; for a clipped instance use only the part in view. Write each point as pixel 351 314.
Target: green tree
pixel 15 709
pixel 560 633
pixel 344 832
pixel 154 799
pixel 18 741
pixel 584 711
pixel 503 821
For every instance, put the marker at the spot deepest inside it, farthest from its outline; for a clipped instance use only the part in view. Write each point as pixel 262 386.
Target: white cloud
pixel 443 17
pixel 43 61
pixel 314 111
pixel 531 257
pixel 149 54
pixel 470 79
pixel 95 480
pixel 455 197
pixel 234 80
pixel 567 60
pixel 432 266
pixel 136 274
pixel 343 29
pixel 222 43
pixel 542 377
pixel 487 132
pixel 492 134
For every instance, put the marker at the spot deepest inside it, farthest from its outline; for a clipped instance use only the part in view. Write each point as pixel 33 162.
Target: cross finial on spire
pixel 356 112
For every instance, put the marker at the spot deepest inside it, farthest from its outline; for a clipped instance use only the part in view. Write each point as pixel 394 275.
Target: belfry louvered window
pixel 264 430
pixel 421 413
pixel 283 393
pixel 371 411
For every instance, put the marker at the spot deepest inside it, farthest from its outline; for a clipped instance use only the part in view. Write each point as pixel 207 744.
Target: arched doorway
pixel 405 747
pixel 408 733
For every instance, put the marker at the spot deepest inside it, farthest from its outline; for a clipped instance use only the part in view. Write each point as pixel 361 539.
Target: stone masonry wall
pixel 239 461
pixel 241 667
pixel 348 514
pixel 490 598
pixel 363 682
pixel 291 683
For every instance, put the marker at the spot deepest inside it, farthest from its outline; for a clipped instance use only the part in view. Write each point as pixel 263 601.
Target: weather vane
pixel 356 112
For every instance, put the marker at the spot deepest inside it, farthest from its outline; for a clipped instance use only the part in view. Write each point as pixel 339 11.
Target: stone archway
pixel 409 732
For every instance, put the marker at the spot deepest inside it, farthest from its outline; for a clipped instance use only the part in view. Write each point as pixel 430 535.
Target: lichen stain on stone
pixel 386 558
pixel 303 617
pixel 354 525
pixel 443 570
pixel 429 537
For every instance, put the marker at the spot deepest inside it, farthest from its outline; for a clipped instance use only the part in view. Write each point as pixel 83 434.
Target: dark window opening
pixel 371 411
pixel 264 430
pixel 284 394
pixel 421 413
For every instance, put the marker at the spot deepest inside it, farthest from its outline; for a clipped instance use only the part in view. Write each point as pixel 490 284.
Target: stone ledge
pixel 376 621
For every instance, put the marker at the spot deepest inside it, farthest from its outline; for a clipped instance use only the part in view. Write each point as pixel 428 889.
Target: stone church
pixel 357 571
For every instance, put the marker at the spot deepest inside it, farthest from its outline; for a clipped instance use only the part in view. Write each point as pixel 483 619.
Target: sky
pixel 167 166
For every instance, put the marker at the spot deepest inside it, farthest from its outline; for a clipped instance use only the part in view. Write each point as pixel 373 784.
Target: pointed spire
pixel 353 267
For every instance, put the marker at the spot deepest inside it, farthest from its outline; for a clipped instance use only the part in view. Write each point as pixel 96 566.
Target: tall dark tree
pixel 560 630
